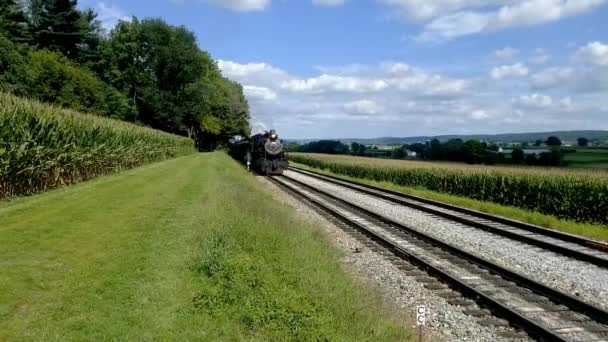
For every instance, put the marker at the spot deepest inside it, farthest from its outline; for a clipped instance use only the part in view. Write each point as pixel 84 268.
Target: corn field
pixel 568 195
pixel 43 147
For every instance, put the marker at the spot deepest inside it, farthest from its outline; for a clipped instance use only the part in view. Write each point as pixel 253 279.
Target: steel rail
pixel 590 251
pixel 516 318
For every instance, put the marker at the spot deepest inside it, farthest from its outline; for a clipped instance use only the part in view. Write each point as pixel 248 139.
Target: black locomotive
pixel 262 152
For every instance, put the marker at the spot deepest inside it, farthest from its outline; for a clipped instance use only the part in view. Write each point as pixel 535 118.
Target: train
pixel 263 153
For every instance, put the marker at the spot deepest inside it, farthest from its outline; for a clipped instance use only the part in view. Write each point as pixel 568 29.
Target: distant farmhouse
pixel 537 152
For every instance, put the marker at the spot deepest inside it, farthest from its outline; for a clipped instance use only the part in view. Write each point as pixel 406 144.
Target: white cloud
pixel 506 53
pixel 110 14
pixel 540 57
pixel 397 98
pixel 427 9
pixel 454 25
pixel 252 73
pixel 552 77
pixel 507 71
pixel 242 5
pixel 566 103
pixel 479 114
pixel 397 68
pixel 260 93
pixel 534 101
pixel 593 53
pixel 334 83
pixel 445 19
pixel 363 107
pixel 328 2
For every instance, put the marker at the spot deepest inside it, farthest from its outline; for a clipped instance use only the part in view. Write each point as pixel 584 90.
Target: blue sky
pixel 348 68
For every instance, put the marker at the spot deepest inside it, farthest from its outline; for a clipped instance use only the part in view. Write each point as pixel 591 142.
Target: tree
pixel 13 22
pixel 176 86
pixel 531 159
pixel 538 142
pixel 553 141
pixel 354 147
pixel 89 48
pixel 472 151
pixel 398 153
pixel 583 142
pixel 517 155
pixel 325 146
pixel 436 150
pixel 420 150
pixel 56 25
pixel 362 149
pixel 453 149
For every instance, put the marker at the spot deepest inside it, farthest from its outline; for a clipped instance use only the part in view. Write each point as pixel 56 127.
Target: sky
pixel 375 68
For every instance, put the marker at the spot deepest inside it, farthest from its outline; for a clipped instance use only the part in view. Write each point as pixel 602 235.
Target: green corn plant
pixel 43 147
pixel 569 195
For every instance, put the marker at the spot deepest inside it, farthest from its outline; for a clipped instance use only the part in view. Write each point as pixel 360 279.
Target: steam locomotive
pixel 262 152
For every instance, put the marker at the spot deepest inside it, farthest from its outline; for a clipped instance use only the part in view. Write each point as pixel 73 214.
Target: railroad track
pixel 542 312
pixel 573 246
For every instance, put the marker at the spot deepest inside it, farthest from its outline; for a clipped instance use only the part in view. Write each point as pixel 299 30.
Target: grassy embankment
pixel 185 249
pixel 598 231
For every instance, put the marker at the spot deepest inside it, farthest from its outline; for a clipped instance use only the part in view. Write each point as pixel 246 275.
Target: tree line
pixel 143 71
pixel 455 150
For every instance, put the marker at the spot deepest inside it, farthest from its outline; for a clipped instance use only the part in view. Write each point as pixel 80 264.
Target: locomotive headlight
pixel 273 137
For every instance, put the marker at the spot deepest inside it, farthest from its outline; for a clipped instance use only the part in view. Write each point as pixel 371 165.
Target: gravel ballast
pixel 400 291
pixel 568 275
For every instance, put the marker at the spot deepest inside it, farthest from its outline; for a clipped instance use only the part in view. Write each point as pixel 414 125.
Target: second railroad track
pixel 541 311
pixel 577 247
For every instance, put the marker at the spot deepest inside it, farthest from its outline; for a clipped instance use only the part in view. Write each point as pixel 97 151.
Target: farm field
pixel 463 167
pixel 587 158
pixel 186 249
pixel 44 146
pixel 435 180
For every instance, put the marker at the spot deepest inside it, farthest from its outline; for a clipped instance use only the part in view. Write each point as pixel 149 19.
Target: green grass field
pixel 187 249
pixel 587 158
pixel 596 231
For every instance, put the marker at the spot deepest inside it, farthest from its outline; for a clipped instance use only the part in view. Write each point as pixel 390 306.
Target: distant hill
pixel 569 136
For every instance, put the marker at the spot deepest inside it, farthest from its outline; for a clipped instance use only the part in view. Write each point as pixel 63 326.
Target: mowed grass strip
pixel 595 231
pixel 188 249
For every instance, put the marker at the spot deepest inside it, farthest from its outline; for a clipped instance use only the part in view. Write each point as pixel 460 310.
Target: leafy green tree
pixel 517 155
pixel 472 151
pixel 12 67
pixel 531 159
pixel 583 142
pixel 56 25
pixel 89 48
pixel 354 147
pixel 52 78
pixel 553 141
pixel 453 149
pixel 538 142
pixel 436 150
pixel 420 150
pixel 13 22
pixel 398 152
pixel 362 149
pixel 293 147
pixel 176 86
pixel 325 146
